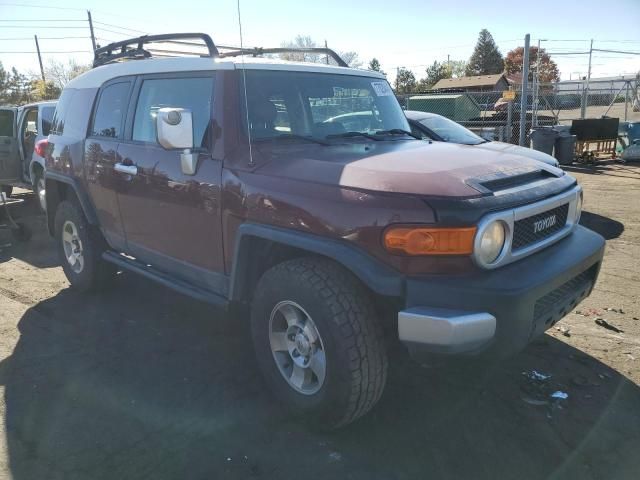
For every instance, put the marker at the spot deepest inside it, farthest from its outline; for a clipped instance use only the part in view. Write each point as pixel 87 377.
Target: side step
pixel 164 279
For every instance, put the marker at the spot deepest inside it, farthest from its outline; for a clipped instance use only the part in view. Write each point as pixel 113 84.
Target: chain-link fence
pixel 492 116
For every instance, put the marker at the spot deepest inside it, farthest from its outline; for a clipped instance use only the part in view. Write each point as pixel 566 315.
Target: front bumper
pixel 499 312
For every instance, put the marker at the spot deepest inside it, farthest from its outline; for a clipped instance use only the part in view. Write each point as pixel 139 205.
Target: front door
pixel 171 219
pixel 9 150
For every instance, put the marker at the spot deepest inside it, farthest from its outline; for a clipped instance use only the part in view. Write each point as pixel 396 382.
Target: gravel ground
pixel 140 382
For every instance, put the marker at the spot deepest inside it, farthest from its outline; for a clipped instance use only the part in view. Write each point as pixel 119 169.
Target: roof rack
pixel 134 48
pixel 258 51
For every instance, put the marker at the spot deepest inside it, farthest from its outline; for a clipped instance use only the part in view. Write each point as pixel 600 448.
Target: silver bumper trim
pixel 443 330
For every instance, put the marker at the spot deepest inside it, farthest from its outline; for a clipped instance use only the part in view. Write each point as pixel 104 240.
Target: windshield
pixel 451 131
pixel 320 106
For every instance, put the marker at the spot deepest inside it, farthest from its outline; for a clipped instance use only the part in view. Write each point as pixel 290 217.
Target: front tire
pixel 318 342
pixel 80 249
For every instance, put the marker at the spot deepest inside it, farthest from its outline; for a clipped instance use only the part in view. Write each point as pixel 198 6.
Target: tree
pixel 351 59
pixel 15 87
pixel 405 81
pixel 44 90
pixel 61 73
pixel 305 41
pixel 486 58
pixel 435 73
pixel 456 68
pixel 374 65
pixel 548 68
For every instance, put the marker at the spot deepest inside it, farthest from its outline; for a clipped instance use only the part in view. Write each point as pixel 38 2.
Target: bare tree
pixel 305 41
pixel 61 73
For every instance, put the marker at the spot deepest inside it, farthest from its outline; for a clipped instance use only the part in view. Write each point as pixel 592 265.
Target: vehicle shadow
pixel 140 382
pixel 605 226
pixel 38 250
pixel 609 167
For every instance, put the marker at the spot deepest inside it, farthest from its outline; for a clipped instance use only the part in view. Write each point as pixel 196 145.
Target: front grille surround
pixel 510 218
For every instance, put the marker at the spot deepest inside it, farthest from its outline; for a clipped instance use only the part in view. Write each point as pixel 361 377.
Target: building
pixel 476 83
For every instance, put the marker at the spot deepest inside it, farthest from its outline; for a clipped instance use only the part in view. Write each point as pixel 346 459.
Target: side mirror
pixel 175 131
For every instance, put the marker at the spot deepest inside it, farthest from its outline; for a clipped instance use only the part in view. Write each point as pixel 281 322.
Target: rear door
pixel 9 152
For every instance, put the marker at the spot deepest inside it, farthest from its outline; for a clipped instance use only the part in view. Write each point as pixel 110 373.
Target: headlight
pixel 491 242
pixel 578 207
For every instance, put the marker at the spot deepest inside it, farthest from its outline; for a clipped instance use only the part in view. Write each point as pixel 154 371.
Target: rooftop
pixel 465 82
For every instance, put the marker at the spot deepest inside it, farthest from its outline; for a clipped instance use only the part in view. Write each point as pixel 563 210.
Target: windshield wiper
pixel 297 137
pixel 397 131
pixel 353 134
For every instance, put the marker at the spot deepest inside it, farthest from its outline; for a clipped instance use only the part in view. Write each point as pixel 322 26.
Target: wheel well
pixel 259 255
pixel 56 193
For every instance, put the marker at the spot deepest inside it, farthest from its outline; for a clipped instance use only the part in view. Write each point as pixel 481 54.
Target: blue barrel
pixel 633 132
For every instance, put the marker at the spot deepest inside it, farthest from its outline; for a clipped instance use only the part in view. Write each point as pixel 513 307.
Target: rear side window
pixel 46 114
pixel 6 123
pixel 195 94
pixel 109 116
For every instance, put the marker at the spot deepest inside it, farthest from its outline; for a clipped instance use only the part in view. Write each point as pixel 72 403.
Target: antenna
pixel 244 82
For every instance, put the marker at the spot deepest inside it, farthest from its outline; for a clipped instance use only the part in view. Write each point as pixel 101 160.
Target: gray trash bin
pixel 565 148
pixel 543 139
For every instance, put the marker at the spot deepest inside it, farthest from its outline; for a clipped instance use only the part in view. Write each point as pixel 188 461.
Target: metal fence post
pixel 626 100
pixel 525 85
pixel 510 122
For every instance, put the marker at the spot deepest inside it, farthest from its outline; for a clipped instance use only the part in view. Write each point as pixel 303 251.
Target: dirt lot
pixel 140 382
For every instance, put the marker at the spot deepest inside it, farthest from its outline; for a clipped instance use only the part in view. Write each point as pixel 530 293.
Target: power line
pixel 32 5
pixel 42 38
pixel 51 51
pixel 117 26
pixel 42 20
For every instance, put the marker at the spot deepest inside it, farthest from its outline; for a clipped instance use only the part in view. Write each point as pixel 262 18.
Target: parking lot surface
pixel 141 382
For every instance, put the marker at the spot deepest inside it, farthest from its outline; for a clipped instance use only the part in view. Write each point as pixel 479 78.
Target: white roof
pixel 95 77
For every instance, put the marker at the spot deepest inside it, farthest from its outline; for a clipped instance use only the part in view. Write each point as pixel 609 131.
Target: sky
pixel 402 33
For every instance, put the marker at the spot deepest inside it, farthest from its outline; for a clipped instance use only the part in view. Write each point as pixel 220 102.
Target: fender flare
pixel 377 276
pixel 81 194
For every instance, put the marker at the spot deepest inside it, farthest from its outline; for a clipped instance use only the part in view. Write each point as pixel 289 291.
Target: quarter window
pixel 110 112
pixel 195 94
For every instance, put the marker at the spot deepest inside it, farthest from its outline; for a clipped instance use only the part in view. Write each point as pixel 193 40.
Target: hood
pixel 518 150
pixel 412 167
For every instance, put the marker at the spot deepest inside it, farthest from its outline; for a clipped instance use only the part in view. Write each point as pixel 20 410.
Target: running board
pixel 162 278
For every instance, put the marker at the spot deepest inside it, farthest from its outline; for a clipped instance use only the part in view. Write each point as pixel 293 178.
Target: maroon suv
pixel 258 184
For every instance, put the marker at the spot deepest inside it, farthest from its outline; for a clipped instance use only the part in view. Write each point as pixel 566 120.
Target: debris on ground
pixel 566 331
pixel 615 310
pixel 535 375
pixel 560 395
pixel 604 324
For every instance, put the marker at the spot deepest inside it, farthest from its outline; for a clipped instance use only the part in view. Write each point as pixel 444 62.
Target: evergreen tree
pixel 374 65
pixel 435 73
pixel 405 81
pixel 486 58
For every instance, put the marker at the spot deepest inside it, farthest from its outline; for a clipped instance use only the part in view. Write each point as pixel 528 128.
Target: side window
pixel 6 123
pixel 109 116
pixel 46 115
pixel 195 94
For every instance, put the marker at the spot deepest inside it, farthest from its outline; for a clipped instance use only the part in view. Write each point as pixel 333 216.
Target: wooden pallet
pixel 589 151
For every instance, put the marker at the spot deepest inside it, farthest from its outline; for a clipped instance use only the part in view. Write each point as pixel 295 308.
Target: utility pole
pixel 40 59
pixel 93 37
pixel 327 55
pixel 525 87
pixel 585 92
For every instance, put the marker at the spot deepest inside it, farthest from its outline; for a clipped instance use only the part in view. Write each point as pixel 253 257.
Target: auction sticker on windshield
pixel 382 89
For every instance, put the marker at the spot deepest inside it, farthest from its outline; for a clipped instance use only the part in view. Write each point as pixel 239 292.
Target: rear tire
pixel 80 249
pixel 39 188
pixel 311 308
pixel 7 190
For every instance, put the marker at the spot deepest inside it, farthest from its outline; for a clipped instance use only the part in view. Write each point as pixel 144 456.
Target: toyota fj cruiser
pixel 243 181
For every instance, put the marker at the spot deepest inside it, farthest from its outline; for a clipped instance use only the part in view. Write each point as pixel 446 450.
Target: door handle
pixel 128 169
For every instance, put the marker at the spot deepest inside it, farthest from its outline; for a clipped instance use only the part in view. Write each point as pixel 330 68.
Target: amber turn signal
pixel 430 241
